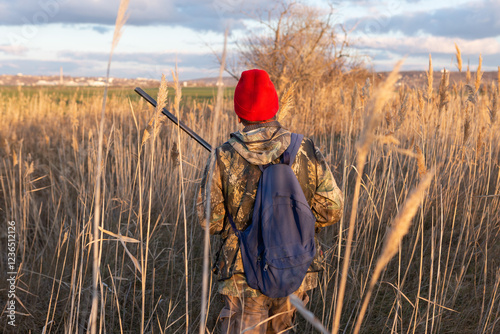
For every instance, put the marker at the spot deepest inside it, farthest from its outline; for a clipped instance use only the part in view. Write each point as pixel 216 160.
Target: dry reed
pixel 213 142
pixel 121 18
pixel 469 105
pixel 430 80
pixel 363 144
pixel 286 103
pixel 422 168
pixel 177 110
pixel 479 74
pixel 442 279
pixel 494 106
pixel 443 91
pixel 158 119
pixel 392 241
pixel 468 75
pixel 308 315
pixel 479 142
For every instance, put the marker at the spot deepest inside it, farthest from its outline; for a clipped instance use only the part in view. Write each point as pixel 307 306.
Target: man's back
pixel 235 182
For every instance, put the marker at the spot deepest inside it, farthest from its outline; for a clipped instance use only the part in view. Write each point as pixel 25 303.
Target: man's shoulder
pixel 307 142
pixel 308 147
pixel 226 147
pixel 225 152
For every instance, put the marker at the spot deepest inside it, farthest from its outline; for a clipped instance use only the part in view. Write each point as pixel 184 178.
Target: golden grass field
pixel 444 278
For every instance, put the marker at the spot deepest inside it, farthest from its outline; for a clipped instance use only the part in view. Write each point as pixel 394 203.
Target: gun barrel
pixel 174 119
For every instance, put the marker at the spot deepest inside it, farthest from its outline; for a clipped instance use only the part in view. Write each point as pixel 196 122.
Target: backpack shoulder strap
pixel 291 152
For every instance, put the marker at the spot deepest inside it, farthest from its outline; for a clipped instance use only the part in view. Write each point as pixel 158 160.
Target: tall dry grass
pixel 121 18
pixel 444 276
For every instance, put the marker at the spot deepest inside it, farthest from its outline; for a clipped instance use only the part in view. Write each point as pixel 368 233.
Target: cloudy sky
pixel 39 37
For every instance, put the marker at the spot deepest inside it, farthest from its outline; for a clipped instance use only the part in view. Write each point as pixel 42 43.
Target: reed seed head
pixel 286 103
pixel 422 168
pixel 430 79
pixel 467 121
pixel 459 58
pixel 493 110
pixel 121 18
pixel 468 75
pixel 479 74
pixel 479 144
pixel 443 90
pixel 354 99
pixel 158 119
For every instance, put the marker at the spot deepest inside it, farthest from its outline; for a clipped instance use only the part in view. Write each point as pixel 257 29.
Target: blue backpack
pixel 278 247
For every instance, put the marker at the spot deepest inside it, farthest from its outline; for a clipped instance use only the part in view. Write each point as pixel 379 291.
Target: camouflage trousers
pixel 239 314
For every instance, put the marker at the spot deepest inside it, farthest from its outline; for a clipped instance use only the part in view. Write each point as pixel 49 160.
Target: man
pixel 235 174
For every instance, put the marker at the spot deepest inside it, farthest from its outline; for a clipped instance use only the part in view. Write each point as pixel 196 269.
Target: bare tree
pixel 300 44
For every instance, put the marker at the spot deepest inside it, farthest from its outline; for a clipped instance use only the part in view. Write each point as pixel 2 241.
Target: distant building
pixel 96 83
pixel 46 83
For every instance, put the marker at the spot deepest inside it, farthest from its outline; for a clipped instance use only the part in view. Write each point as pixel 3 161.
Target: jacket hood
pixel 262 145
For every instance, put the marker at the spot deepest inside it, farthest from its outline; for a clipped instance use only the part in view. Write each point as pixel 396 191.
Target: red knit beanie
pixel 255 98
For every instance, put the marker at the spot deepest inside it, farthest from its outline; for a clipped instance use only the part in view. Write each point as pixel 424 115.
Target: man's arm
pixel 328 202
pixel 217 211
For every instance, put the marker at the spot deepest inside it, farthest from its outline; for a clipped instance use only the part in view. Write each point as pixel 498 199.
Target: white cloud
pixel 139 64
pixel 470 20
pixel 14 50
pixel 430 44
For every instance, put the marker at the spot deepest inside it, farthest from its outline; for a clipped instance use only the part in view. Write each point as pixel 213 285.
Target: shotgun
pixel 171 117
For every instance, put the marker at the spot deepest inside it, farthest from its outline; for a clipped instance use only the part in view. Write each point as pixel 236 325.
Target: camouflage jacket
pixel 235 177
